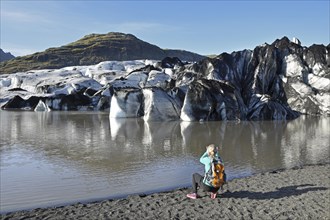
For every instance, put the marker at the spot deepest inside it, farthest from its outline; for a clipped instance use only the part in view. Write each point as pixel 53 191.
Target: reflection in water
pixel 56 157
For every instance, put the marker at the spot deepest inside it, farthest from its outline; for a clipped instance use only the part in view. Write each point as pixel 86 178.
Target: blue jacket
pixel 205 159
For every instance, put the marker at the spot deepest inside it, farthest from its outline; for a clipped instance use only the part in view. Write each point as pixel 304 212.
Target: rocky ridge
pixel 5 56
pixel 277 81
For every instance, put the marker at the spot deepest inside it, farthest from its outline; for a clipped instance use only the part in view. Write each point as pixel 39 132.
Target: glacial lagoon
pixel 58 158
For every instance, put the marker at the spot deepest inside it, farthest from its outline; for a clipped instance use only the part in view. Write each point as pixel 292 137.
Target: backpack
pixel 216 175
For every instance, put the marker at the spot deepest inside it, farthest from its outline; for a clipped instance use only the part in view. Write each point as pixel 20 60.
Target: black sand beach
pixel 298 193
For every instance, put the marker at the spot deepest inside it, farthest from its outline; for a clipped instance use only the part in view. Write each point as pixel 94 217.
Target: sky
pixel 204 27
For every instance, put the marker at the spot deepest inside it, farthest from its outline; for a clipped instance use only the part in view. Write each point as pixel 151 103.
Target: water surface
pixel 57 158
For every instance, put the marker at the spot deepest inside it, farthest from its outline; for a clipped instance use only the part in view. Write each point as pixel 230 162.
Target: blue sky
pixel 205 27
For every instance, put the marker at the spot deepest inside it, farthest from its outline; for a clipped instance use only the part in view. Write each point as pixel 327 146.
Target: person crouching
pixel 198 181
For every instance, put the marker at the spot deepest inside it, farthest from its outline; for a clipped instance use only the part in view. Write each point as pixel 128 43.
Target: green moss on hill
pixel 92 49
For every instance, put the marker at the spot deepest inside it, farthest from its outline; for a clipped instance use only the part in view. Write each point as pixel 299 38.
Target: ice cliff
pixel 277 81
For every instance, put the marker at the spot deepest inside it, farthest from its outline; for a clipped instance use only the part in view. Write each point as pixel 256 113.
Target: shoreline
pixel 301 192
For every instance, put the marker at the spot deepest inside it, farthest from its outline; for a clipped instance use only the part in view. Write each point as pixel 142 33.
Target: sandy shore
pixel 299 193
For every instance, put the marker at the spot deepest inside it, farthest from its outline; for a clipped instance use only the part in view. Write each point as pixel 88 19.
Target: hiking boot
pixel 213 195
pixel 192 195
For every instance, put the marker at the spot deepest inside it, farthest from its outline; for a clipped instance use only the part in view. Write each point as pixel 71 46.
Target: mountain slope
pixel 92 49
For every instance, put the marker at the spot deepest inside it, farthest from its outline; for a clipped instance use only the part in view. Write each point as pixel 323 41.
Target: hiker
pixel 204 182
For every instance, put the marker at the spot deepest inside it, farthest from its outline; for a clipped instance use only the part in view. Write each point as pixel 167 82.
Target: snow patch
pixel 292 66
pixel 296 41
pixel 319 83
pixel 5 82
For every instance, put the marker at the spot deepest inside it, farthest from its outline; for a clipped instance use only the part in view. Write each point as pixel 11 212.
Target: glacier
pixel 277 81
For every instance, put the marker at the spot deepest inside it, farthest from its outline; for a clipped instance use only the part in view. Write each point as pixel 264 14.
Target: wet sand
pixel 298 193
